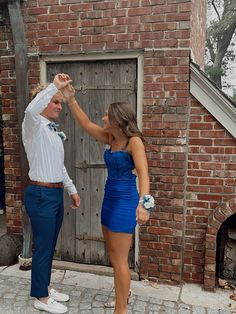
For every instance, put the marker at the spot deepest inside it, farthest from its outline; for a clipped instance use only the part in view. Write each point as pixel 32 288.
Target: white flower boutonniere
pixel 147 202
pixel 62 136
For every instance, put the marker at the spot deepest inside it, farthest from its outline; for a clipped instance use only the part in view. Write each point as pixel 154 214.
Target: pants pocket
pixel 33 198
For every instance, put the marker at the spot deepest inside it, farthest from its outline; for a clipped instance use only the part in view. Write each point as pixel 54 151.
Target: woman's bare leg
pixel 118 249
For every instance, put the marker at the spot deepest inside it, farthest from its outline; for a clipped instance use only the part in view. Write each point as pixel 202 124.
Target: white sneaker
pixel 52 306
pixel 57 296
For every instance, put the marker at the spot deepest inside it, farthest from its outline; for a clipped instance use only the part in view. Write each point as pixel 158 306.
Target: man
pixel 44 195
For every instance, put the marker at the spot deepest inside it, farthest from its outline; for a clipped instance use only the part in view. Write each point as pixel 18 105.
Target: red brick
pixel 37 11
pixel 226 142
pixel 160 26
pixel 140 11
pixel 48 2
pixel 154 19
pixel 177 34
pixel 49 49
pixel 48 18
pixel 58 25
pixel 80 7
pixel 177 17
pixel 59 9
pixel 127 20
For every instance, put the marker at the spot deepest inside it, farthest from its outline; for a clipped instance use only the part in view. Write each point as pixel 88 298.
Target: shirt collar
pixel 45 121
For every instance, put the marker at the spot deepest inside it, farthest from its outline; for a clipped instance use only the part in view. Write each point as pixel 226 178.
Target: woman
pixel 122 206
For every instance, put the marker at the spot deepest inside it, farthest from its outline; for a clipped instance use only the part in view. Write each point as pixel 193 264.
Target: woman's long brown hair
pixel 122 115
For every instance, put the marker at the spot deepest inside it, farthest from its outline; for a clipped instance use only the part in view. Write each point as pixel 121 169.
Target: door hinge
pixel 85 237
pixel 84 166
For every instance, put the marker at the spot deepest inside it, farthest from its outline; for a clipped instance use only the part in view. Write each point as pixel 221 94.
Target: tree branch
pixel 224 43
pixel 215 8
pixel 218 37
pixel 211 49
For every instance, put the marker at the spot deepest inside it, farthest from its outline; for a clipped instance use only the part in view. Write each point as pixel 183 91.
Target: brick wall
pixel 10 130
pixel 198 31
pixel 165 122
pixel 171 246
pixel 210 183
pixel 106 25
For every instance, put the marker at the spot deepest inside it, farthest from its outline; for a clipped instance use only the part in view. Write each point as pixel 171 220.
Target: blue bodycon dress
pixel 121 196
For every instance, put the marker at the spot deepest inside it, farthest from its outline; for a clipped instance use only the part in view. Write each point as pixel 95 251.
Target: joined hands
pixel 62 80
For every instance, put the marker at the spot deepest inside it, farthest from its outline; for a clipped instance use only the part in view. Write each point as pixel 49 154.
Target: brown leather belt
pixel 58 185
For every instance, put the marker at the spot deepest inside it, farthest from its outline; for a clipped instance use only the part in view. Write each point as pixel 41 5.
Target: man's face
pixel 53 109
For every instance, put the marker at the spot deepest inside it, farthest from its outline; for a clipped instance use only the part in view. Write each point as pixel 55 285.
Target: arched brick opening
pixel 219 215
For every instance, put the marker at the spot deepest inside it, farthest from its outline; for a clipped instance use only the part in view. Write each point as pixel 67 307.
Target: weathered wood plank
pixel 82 232
pixel 65 248
pixel 97 176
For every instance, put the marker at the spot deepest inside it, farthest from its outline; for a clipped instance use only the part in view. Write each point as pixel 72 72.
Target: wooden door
pixel 97 84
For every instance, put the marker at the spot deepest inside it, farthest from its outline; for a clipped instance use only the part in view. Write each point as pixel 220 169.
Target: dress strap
pixel 123 148
pixel 127 143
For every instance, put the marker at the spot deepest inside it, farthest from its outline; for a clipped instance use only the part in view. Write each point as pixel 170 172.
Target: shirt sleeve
pixel 68 184
pixel 35 107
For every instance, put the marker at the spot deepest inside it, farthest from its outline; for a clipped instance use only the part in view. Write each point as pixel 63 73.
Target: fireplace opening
pixel 226 251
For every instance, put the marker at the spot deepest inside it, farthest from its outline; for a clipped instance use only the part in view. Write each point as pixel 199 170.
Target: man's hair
pixel 34 91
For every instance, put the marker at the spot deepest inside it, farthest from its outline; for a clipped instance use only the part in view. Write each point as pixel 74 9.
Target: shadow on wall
pixel 10 245
pixel 2 180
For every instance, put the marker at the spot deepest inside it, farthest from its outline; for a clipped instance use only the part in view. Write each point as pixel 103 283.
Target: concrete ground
pixel 89 288
pixel 88 292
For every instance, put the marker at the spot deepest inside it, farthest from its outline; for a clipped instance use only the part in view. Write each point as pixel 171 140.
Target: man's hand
pixel 61 80
pixel 75 201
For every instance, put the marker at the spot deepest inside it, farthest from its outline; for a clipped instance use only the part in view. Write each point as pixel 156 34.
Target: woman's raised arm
pixel 81 117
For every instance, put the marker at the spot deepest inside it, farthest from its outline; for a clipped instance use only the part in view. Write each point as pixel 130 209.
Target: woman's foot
pixel 113 302
pixel 233 297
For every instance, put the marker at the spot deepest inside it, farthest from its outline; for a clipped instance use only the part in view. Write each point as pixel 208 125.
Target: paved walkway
pixel 88 292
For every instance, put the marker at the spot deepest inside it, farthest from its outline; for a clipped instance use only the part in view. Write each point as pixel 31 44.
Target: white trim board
pixel 213 100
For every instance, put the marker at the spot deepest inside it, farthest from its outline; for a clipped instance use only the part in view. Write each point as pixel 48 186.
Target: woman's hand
pixel 68 92
pixel 142 215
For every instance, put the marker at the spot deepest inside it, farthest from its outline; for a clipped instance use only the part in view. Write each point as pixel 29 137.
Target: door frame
pixel 45 59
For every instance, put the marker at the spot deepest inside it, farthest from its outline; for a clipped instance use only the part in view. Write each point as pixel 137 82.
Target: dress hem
pixel 117 231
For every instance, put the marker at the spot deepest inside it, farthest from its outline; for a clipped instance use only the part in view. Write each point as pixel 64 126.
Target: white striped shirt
pixel 44 148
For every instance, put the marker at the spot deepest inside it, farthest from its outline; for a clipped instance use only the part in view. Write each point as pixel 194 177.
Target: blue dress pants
pixel 45 208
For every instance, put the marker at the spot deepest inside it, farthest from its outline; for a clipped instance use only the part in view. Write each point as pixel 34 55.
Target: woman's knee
pixel 117 260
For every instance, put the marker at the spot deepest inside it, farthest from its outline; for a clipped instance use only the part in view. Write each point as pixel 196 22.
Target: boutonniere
pixel 62 135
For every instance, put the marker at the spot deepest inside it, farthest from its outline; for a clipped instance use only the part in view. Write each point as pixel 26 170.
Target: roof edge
pixel 213 99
